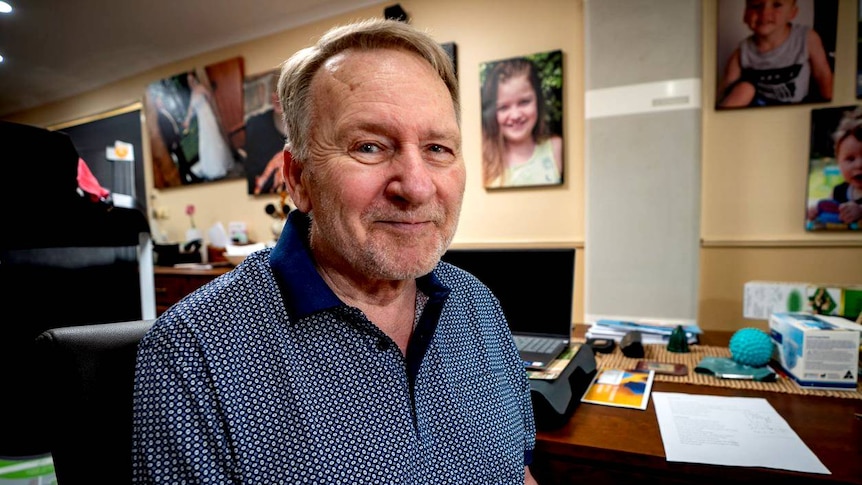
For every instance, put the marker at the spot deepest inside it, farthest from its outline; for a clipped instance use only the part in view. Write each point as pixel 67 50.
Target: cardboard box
pixel 845 301
pixel 763 298
pixel 817 351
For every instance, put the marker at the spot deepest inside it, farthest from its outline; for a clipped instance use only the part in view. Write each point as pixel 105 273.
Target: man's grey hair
pixel 294 83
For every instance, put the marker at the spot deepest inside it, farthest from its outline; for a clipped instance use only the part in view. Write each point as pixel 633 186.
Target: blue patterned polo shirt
pixel 263 376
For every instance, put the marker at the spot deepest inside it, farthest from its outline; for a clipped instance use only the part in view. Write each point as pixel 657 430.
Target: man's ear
pixel 292 171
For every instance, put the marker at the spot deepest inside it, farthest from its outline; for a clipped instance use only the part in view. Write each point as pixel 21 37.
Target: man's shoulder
pixel 459 280
pixel 249 285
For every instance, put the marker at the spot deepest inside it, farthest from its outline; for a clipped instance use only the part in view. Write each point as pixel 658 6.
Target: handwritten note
pixel 737 431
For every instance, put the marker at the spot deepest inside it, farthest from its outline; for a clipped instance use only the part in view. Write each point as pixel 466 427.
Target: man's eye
pixel 368 148
pixel 438 149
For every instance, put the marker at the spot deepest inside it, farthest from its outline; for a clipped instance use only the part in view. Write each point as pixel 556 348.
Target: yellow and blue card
pixel 621 388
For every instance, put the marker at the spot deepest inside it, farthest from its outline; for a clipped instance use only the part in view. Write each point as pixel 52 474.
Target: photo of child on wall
pixel 859 52
pixel 522 143
pixel 834 198
pixel 775 52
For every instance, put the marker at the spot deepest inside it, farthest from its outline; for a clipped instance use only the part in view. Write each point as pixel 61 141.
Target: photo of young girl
pixel 835 170
pixel 522 121
pixel 859 52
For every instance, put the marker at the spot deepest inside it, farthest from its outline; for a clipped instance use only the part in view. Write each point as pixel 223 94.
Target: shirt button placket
pixel 382 344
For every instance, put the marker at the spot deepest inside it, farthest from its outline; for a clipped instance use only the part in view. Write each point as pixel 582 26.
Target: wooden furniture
pixel 607 445
pixel 172 284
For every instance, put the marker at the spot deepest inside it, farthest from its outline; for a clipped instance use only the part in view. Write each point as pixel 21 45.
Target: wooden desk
pixel 171 284
pixel 608 445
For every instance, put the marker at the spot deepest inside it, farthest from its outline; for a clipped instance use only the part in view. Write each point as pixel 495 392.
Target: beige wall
pixel 754 177
pixel 754 161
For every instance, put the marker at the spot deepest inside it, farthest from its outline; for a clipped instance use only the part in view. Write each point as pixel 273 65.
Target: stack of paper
pixel 651 333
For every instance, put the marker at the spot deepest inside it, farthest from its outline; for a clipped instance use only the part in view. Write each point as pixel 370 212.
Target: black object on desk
pixel 632 344
pixel 555 401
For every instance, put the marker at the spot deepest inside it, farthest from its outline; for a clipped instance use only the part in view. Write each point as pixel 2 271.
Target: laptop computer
pixel 535 288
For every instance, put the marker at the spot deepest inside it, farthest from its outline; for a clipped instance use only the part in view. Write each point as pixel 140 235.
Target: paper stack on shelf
pixel 651 333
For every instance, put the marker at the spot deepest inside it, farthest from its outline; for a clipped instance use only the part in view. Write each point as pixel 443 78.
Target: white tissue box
pixel 817 351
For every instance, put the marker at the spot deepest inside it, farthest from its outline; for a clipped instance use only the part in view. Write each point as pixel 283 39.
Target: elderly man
pixel 348 353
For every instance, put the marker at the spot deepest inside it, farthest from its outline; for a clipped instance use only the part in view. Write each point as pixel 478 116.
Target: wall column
pixel 642 159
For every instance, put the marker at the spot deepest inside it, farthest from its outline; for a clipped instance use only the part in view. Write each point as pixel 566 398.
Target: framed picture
pixel 859 52
pixel 777 52
pixel 264 135
pixel 195 122
pixel 522 121
pixel 834 193
pixel 451 48
pixel 110 145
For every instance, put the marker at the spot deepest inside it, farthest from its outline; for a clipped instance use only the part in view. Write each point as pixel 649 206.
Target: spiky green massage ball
pixel 751 346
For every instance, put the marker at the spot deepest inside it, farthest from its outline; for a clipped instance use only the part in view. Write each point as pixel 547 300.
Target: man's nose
pixel 412 178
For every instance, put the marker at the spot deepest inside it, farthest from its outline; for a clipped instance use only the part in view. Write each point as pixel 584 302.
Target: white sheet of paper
pixel 735 431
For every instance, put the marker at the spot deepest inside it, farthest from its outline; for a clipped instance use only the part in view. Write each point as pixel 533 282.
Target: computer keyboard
pixel 534 344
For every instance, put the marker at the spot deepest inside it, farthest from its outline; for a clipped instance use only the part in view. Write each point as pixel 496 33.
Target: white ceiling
pixel 56 49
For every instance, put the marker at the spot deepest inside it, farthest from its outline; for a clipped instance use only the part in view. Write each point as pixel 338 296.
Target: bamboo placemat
pixel 616 360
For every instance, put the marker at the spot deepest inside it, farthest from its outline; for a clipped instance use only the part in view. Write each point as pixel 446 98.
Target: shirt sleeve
pixel 177 435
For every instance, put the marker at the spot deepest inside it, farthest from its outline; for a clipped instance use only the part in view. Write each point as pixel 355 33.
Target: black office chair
pixel 90 378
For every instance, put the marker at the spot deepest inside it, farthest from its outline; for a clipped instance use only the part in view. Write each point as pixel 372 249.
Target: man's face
pixel 385 179
pixel 765 17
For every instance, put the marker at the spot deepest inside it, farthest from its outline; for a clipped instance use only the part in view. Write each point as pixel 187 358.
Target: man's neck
pixel 388 304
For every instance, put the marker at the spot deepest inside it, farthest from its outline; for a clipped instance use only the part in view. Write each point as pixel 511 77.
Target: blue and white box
pixel 817 351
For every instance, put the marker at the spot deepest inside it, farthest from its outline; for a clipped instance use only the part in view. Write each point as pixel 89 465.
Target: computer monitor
pixel 535 286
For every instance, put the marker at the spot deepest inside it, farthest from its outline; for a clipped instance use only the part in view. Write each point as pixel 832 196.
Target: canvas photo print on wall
pixel 776 52
pixel 522 121
pixel 196 126
pixel 859 52
pixel 834 195
pixel 264 135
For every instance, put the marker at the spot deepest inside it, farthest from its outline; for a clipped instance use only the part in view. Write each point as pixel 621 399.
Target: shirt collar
pixel 302 288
